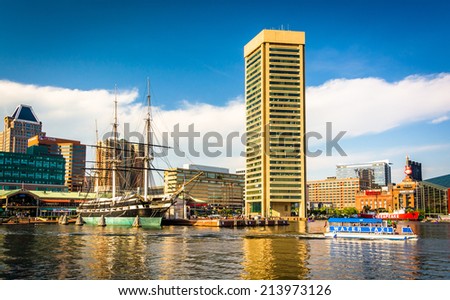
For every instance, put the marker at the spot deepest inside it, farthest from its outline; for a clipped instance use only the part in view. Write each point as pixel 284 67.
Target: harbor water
pixel 177 252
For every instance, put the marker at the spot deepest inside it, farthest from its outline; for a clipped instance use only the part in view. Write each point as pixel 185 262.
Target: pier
pixel 225 222
pixel 31 220
pixel 165 222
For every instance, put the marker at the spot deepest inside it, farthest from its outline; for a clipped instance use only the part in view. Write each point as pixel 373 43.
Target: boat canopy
pixel 355 220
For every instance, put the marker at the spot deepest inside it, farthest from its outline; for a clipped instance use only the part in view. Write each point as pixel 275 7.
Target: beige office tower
pixel 275 178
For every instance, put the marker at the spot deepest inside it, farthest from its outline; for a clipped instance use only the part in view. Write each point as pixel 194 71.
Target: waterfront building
pixel 405 194
pixel 74 154
pixel 380 170
pixel 35 170
pixel 397 197
pixel 335 192
pixel 128 159
pixel 434 195
pixel 374 199
pixel 18 128
pixel 23 202
pixel 400 196
pixel 275 176
pixel 217 189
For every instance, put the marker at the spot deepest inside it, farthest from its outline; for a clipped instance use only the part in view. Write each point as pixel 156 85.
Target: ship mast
pixel 97 158
pixel 114 159
pixel 148 153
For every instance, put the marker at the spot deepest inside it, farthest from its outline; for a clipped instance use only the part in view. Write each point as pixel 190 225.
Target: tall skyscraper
pixel 275 178
pixel 18 128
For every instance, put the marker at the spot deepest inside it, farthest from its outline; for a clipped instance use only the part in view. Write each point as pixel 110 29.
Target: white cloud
pixel 372 105
pixel 226 122
pixel 358 106
pixel 439 120
pixel 65 113
pixel 72 114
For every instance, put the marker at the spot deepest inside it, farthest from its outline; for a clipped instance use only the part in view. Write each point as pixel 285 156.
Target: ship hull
pixel 154 222
pixel 123 212
pixel 412 216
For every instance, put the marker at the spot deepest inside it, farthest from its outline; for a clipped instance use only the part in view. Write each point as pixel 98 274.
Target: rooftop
pixel 25 113
pixel 441 180
pixel 49 195
pixel 363 164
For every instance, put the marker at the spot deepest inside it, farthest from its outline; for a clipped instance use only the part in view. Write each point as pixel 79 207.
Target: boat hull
pixel 371 236
pixel 125 221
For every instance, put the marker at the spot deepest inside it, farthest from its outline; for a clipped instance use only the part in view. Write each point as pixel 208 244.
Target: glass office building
pixel 34 170
pixel 381 171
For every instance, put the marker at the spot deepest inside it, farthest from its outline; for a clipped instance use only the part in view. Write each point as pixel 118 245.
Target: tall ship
pixel 131 208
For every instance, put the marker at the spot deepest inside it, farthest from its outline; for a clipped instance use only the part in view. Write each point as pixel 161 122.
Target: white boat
pixel 369 229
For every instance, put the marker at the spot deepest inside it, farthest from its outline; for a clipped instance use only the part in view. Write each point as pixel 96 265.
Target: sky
pixel 376 71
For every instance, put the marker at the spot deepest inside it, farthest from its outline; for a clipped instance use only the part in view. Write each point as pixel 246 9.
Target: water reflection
pixel 17 253
pixel 90 252
pixel 275 258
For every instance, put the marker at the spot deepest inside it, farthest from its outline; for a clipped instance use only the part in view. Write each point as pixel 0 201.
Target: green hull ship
pixel 150 222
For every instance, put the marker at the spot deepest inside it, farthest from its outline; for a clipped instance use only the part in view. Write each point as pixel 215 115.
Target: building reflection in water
pixel 272 257
pixel 115 253
pixel 175 250
pixel 16 253
pixel 66 255
pixel 201 253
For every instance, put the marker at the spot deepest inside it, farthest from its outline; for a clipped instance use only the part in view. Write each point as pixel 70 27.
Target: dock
pixel 31 221
pixel 224 222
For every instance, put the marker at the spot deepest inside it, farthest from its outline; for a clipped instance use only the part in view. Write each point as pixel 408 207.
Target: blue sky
pixel 193 53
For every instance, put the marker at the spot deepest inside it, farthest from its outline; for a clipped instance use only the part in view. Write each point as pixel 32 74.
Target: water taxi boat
pixel 371 229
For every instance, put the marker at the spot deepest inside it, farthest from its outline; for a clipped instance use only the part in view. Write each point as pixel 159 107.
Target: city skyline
pixel 382 77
